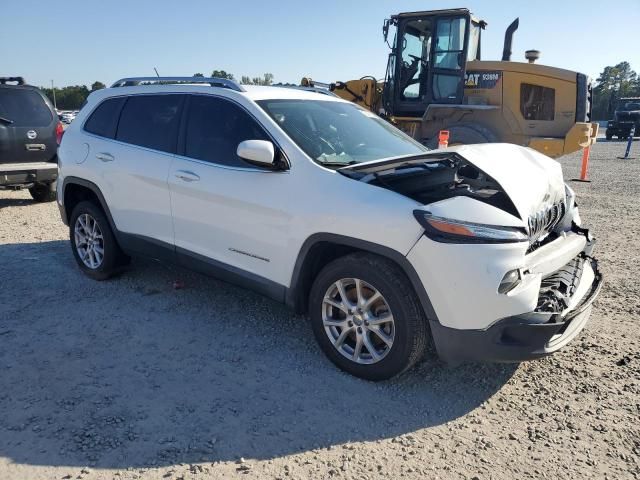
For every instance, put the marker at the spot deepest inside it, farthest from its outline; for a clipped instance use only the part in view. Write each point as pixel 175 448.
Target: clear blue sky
pixel 78 42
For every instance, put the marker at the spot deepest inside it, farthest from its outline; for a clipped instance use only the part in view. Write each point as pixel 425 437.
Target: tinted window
pixel 104 119
pixel 24 107
pixel 151 121
pixel 214 129
pixel 536 102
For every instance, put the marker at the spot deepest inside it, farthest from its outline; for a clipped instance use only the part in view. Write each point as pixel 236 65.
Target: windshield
pixel 338 133
pixel 631 106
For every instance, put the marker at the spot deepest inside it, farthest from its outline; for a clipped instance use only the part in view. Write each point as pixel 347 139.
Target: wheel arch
pixel 75 190
pixel 322 248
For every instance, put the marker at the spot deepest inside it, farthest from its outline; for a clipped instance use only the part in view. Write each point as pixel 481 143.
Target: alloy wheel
pixel 358 321
pixel 89 241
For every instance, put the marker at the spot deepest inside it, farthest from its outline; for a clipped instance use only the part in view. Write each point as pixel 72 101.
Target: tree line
pixel 71 97
pixel 614 82
pixel 265 79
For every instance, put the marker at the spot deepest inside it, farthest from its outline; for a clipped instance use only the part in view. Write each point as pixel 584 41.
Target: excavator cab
pixel 428 59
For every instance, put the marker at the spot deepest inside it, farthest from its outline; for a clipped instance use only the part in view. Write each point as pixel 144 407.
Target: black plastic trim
pixel 293 294
pixel 512 339
pixel 158 250
pixel 91 186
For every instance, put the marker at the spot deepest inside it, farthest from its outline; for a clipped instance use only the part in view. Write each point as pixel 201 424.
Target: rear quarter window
pixel 151 121
pixel 104 119
pixel 24 107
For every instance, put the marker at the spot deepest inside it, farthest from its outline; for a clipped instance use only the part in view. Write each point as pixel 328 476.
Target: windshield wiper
pixel 337 164
pixel 6 120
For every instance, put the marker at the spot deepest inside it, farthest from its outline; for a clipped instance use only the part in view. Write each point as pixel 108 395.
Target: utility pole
pixel 54 96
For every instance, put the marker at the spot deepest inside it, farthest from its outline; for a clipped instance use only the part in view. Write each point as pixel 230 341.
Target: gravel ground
pixel 132 378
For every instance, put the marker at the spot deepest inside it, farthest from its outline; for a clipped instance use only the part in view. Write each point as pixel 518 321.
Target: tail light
pixel 59 132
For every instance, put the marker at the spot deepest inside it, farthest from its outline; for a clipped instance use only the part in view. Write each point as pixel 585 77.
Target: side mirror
pixel 258 152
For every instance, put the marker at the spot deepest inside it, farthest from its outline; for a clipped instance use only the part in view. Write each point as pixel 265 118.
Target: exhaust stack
pixel 508 40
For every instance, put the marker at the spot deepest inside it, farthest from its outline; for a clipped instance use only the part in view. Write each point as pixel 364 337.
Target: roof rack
pixel 323 91
pixel 213 81
pixel 17 80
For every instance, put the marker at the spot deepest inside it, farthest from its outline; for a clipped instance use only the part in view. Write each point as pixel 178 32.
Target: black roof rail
pixel 17 80
pixel 213 81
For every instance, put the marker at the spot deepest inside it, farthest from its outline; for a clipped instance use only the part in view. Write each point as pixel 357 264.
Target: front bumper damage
pixel 563 309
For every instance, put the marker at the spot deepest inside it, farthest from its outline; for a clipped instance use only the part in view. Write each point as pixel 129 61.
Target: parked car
pixel 29 136
pixel 68 117
pixel 318 203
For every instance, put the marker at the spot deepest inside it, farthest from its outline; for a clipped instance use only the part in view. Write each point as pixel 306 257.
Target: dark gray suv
pixel 29 136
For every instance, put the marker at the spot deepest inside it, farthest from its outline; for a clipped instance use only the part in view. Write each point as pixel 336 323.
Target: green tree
pixel 222 74
pixel 614 82
pixel 68 98
pixel 198 75
pixel 266 79
pixel 97 86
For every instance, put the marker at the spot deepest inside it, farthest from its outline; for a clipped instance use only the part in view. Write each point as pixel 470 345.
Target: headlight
pixel 447 230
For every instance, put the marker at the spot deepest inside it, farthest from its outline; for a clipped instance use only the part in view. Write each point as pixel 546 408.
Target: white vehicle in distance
pixel 318 203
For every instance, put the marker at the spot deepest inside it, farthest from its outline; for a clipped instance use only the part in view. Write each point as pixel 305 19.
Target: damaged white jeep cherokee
pixel 317 203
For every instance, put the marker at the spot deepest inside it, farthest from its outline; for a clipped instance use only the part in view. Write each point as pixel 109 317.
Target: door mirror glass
pixel 258 152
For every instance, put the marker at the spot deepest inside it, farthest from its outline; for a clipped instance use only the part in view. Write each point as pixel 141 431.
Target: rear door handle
pixel 187 176
pixel 105 157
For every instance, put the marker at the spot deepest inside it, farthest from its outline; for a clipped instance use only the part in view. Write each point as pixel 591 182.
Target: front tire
pixel 93 243
pixel 366 317
pixel 43 192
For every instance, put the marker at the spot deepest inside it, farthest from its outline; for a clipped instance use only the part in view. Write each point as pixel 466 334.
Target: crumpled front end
pixel 562 308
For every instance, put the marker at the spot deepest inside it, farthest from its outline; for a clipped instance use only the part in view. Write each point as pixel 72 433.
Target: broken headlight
pixel 447 230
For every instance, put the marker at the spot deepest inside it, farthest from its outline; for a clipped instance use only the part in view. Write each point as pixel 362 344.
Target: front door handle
pixel 187 176
pixel 105 157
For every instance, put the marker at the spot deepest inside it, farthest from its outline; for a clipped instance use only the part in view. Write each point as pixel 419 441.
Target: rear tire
pixel 43 192
pixel 393 320
pixel 93 243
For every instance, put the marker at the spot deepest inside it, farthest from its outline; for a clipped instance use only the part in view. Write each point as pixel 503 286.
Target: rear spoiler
pixel 16 80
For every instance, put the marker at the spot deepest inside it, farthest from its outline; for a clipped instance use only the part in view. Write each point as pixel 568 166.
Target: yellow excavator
pixel 436 80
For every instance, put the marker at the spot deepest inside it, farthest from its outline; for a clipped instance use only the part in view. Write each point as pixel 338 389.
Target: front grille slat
pixel 545 220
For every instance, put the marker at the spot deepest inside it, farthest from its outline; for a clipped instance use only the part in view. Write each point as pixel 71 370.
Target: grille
pixel 545 220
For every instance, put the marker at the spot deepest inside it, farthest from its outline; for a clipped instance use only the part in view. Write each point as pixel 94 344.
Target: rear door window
pixel 104 119
pixel 214 129
pixel 151 121
pixel 24 108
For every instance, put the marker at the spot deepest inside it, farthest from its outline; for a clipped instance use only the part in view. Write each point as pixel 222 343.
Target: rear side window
pixel 536 102
pixel 214 129
pixel 24 107
pixel 104 119
pixel 151 121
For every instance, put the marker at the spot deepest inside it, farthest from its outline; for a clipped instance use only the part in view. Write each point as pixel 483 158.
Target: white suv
pixel 320 204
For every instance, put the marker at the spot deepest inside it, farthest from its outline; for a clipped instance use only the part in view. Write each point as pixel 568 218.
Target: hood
pixel 532 181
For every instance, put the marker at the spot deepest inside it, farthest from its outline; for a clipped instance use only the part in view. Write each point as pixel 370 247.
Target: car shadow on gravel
pixel 15 202
pixel 133 372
